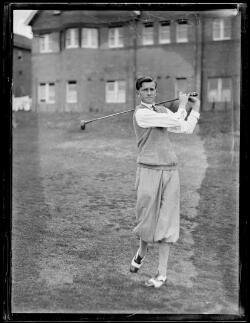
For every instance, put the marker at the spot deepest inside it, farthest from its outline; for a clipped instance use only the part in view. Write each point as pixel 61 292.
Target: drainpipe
pixel 136 19
pixel 197 60
pixel 198 65
pixel 202 96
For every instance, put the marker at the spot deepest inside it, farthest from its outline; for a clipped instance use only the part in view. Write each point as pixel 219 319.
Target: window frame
pixel 118 37
pixel 179 25
pixel 42 96
pixel 48 41
pixel 68 100
pixel 20 55
pixel 47 87
pixel 176 87
pixel 161 32
pixel 89 37
pixel 146 42
pixel 116 96
pixel 222 28
pixel 69 46
pixel 219 89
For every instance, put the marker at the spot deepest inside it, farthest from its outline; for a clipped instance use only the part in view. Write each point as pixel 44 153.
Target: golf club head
pixel 82 124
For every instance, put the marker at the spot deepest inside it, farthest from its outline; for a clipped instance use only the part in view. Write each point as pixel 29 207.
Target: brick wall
pixel 222 59
pixel 21 72
pixel 91 68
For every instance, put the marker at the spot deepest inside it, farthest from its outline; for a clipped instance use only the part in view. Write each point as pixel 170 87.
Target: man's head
pixel 146 89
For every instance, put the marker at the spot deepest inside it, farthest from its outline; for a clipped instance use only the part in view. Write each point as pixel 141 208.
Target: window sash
pixel 121 91
pixel 164 34
pixel 219 89
pixel 182 32
pixel 72 40
pixel 71 92
pixel 221 29
pixel 148 35
pixel 216 29
pixel 110 92
pixel 46 93
pixel 46 43
pixel 42 92
pixel 115 37
pixel 51 92
pixel 119 33
pixel 42 43
pixel 111 37
pixel 89 37
pixel 20 55
pixel 115 92
pixel 227 28
pixel 181 84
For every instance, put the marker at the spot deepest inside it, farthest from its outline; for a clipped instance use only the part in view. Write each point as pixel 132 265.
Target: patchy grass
pixel 73 215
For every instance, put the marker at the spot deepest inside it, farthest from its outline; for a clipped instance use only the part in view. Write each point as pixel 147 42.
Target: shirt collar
pixel 148 105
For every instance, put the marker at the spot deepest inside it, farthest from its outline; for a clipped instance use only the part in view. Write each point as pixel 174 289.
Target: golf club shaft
pixel 108 116
pixel 116 114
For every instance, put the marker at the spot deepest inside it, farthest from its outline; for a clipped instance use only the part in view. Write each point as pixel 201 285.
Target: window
pixel 148 34
pixel 164 33
pixel 46 92
pixel 181 84
pixel 71 92
pixel 46 43
pixel 221 29
pixel 115 38
pixel 89 37
pixel 115 92
pixel 20 55
pixel 51 92
pixel 42 92
pixel 72 38
pixel 182 32
pixel 56 12
pixel 219 89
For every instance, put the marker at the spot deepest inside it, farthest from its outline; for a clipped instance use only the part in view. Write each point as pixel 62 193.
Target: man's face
pixel 147 92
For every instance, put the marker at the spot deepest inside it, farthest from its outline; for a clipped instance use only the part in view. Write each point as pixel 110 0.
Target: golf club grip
pixel 172 100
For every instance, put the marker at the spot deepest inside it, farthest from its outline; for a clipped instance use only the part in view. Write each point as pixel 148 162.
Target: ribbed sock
pixel 164 249
pixel 143 248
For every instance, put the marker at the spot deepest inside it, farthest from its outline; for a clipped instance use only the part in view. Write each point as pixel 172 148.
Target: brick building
pixel 21 66
pixel 88 60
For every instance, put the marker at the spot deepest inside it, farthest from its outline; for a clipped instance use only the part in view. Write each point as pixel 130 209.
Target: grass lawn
pixel 74 211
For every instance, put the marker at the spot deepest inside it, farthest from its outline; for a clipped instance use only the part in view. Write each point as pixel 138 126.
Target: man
pixel 157 178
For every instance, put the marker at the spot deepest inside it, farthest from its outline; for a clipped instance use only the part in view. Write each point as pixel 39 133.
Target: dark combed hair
pixel 143 79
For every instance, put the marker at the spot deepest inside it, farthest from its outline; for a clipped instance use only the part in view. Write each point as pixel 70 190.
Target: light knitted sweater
pixel 154 147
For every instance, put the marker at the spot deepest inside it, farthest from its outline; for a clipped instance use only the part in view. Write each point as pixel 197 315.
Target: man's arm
pixel 181 113
pixel 186 126
pixel 192 117
pixel 146 118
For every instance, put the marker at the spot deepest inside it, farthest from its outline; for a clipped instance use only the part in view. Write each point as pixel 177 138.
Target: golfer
pixel 157 177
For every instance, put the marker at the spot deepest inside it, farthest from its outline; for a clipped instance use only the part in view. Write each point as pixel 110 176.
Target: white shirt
pixel 147 118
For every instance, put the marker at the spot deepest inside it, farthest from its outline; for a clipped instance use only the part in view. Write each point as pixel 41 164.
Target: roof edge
pixel 31 17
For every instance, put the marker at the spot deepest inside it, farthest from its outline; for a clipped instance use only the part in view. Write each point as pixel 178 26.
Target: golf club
pixel 84 122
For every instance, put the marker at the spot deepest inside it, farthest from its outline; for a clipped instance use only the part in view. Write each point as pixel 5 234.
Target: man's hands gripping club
pixel 187 101
pixel 186 98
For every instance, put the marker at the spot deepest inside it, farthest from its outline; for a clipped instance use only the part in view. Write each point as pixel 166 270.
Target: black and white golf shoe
pixel 136 263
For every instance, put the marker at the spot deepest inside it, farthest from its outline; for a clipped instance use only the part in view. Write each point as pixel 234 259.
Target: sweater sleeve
pixel 147 118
